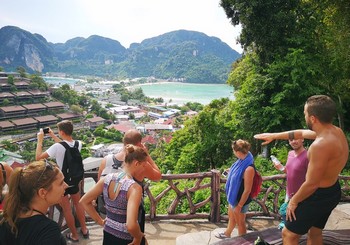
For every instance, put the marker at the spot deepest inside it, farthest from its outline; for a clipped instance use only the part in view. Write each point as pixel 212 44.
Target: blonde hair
pixel 241 146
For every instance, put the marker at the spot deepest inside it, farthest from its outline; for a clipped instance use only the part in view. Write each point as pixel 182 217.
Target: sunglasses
pixel 48 165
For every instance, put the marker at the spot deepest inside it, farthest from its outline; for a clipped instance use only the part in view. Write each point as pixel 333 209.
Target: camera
pixel 225 173
pixel 46 130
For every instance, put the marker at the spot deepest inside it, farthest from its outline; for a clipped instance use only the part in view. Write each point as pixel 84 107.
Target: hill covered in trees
pixel 187 55
pixel 292 50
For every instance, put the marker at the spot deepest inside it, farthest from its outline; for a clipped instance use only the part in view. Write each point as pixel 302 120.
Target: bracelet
pixel 239 205
pixel 291 135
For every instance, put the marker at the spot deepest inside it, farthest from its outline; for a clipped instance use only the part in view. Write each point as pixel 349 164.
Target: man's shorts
pixel 74 188
pixel 315 210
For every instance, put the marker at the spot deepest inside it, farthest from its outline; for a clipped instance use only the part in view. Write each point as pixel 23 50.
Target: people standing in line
pixel 32 190
pixel 122 196
pixel 151 170
pixel 310 207
pixel 57 152
pixel 5 173
pixel 238 188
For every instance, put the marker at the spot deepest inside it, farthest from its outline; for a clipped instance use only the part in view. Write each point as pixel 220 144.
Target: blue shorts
pixel 244 208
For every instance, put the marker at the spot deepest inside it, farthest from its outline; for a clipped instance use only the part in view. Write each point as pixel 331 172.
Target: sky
pixel 127 21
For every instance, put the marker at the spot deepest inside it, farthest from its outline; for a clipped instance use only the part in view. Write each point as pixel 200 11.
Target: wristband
pixel 291 135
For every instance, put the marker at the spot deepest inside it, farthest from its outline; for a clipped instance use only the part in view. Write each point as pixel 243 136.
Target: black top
pixel 240 192
pixel 34 230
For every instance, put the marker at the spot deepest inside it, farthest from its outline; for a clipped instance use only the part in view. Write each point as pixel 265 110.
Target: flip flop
pixel 69 238
pixel 86 235
pixel 221 235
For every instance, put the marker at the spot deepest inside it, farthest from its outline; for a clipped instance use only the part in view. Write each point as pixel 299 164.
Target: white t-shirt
pixel 109 166
pixel 56 151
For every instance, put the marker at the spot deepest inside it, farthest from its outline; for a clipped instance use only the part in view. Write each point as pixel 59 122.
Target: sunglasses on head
pixel 48 165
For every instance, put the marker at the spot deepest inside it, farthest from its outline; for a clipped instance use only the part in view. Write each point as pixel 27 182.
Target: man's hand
pixel 144 148
pixel 291 210
pixel 267 137
pixel 40 136
pixel 51 133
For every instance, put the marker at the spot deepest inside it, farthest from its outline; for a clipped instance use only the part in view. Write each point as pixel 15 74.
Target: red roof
pixel 123 127
pixel 169 122
pixel 167 138
pixel 149 139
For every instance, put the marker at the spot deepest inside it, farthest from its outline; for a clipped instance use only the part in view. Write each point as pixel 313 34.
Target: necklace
pixel 38 211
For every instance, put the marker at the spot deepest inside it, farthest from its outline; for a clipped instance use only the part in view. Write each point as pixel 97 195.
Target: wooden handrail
pixel 266 205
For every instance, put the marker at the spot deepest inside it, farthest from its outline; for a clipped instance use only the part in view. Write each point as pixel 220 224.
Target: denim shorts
pixel 244 208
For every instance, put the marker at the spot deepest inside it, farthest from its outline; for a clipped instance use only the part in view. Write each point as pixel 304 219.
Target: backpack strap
pixel 64 144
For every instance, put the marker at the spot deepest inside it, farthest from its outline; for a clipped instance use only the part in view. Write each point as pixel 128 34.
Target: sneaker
pixel 221 235
pixel 281 225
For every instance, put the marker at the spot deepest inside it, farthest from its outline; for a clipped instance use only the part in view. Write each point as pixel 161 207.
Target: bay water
pixel 171 92
pixel 182 93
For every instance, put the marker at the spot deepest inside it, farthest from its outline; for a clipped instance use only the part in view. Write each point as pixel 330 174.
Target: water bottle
pixel 277 163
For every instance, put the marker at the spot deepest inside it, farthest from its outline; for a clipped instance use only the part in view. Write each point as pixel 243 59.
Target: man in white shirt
pixel 57 151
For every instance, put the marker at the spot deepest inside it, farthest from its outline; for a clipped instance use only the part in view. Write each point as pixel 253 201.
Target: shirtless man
pixel 308 210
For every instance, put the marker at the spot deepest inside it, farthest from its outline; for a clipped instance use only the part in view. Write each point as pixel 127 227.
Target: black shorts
pixel 72 190
pixel 315 210
pixel 109 239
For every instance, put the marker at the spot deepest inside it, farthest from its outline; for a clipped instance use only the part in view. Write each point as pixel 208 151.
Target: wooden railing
pixel 184 187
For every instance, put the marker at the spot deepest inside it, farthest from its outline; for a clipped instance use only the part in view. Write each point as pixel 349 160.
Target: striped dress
pixel 116 209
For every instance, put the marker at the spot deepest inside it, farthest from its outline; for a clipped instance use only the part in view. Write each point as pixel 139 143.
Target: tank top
pixel 116 209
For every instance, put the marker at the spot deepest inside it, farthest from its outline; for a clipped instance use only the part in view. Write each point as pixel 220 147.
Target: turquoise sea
pixel 61 80
pixel 174 92
pixel 181 93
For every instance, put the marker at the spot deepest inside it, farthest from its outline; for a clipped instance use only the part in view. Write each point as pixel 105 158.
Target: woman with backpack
pixel 32 190
pixel 238 188
pixel 122 195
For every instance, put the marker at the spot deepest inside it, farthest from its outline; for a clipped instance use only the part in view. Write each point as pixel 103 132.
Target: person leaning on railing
pixel 122 196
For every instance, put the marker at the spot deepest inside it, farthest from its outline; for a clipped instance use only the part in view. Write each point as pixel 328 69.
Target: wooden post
pixel 214 215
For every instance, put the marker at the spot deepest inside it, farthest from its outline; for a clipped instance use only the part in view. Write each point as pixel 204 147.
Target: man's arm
pixel 53 136
pixel 152 172
pixel 39 154
pixel 294 134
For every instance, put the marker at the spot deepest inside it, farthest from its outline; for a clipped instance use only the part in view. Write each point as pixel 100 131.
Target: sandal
pixel 86 235
pixel 221 235
pixel 70 238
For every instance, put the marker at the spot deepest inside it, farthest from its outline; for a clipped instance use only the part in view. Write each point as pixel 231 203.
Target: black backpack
pixel 72 168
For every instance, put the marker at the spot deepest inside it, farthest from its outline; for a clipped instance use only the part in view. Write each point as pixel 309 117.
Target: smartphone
pixel 225 173
pixel 46 130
